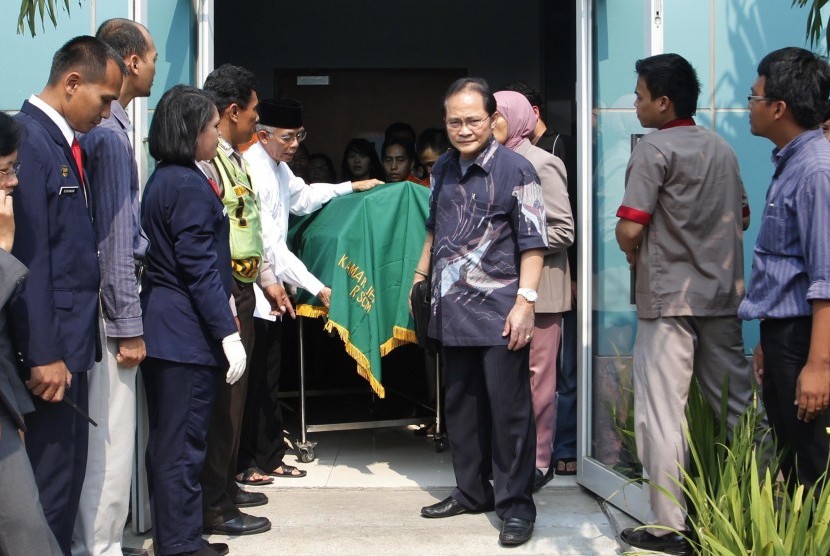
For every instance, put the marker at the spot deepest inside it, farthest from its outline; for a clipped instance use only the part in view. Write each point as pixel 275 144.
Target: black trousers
pixel 218 480
pixel 491 426
pixel 179 399
pixel 786 344
pixel 262 444
pixel 56 441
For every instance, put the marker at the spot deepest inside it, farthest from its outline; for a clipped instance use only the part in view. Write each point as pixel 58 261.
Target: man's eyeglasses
pixel 15 169
pixel 755 98
pixel 473 124
pixel 289 138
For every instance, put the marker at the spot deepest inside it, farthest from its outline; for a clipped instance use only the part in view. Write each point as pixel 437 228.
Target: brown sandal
pixel 246 477
pixel 566 466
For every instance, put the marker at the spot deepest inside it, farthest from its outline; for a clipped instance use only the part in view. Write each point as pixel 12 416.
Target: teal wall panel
pixel 173 26
pixel 724 40
pixel 618 43
pixel 27 59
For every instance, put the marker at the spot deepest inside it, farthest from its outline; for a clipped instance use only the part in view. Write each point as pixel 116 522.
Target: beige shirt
pixel 683 183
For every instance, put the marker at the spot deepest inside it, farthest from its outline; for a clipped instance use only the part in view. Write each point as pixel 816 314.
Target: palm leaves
pixel 814 23
pixel 29 9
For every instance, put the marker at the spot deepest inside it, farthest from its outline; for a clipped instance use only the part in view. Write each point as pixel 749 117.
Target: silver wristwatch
pixel 530 295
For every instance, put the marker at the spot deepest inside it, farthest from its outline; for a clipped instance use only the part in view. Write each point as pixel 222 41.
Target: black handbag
pixel 420 297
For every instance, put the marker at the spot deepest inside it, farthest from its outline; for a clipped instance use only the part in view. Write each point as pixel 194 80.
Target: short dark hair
pixel 671 75
pixel 801 79
pixel 86 55
pixel 434 138
pixel 399 129
pixel 406 144
pixel 533 96
pixel 124 36
pixel 326 160
pixel 366 148
pixel 231 84
pixel 10 133
pixel 476 84
pixel 181 114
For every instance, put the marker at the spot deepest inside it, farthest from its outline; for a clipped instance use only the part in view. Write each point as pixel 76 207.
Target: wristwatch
pixel 530 295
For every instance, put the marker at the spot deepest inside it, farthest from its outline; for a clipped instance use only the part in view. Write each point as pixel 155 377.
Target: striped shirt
pixel 113 178
pixel 791 259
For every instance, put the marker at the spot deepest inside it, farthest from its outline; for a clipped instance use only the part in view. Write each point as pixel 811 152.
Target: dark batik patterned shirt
pixel 482 221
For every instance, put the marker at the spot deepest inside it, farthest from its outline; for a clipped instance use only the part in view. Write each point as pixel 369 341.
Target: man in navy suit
pixel 55 314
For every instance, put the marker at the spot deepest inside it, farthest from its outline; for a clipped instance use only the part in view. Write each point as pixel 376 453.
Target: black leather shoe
pixel 672 543
pixel 243 524
pixel 541 479
pixel 515 531
pixel 210 549
pixel 245 499
pixel 447 507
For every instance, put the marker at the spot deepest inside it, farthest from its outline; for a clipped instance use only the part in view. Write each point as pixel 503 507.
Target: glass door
pixel 607 320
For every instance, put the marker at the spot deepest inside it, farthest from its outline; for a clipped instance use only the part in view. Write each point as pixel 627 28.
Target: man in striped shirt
pixel 789 288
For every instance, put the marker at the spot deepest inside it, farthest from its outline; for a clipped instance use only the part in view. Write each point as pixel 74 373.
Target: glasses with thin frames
pixel 14 171
pixel 473 124
pixel 289 138
pixel 756 98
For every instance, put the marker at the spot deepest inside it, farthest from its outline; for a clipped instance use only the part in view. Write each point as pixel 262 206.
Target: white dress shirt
pixel 281 192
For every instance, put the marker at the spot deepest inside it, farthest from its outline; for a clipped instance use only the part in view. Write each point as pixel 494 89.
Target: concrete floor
pixel 363 494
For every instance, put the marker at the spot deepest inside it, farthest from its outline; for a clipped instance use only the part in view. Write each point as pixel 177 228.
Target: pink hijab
pixel 517 111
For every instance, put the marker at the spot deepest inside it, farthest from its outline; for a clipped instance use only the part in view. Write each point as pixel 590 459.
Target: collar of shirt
pixel 118 114
pixel 230 152
pixel 484 160
pixel 55 116
pixel 679 122
pixel 782 155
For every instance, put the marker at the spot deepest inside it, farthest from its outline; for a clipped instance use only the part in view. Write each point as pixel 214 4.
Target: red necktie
pixel 79 162
pixel 215 187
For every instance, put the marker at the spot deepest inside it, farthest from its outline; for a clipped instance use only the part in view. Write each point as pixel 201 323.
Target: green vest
pixel 243 210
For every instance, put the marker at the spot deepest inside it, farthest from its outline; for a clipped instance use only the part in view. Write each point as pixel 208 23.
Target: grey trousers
pixel 667 353
pixel 23 527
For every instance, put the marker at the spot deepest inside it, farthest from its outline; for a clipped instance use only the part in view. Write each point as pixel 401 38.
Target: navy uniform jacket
pixel 55 314
pixel 14 397
pixel 187 286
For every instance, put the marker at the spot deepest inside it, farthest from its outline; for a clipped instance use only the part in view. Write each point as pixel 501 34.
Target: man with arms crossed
pixel 681 228
pixel 54 317
pixel 113 178
pixel 789 288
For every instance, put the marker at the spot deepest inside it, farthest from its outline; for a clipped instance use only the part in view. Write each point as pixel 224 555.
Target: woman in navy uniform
pixel 189 326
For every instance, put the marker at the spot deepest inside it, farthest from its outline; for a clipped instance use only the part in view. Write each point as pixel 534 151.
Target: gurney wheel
pixel 440 443
pixel 307 455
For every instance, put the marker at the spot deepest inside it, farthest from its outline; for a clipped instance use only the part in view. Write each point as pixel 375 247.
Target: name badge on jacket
pixel 68 190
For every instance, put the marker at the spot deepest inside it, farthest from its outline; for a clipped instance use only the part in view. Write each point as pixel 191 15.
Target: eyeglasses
pixel 289 138
pixel 755 98
pixel 473 124
pixel 14 171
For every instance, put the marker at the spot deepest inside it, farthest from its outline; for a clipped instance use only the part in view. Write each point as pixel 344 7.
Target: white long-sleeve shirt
pixel 281 192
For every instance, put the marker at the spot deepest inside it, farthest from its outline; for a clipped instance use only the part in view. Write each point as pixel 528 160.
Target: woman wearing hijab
pixel 514 126
pixel 189 328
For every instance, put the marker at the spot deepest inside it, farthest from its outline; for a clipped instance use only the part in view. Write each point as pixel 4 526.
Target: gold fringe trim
pixel 311 311
pixel 363 367
pixel 400 336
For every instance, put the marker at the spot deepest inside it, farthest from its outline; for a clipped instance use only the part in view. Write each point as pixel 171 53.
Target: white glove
pixel 235 353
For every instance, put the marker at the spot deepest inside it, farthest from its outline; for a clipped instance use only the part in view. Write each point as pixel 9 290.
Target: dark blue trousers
pixel 56 441
pixel 491 426
pixel 180 400
pixel 564 441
